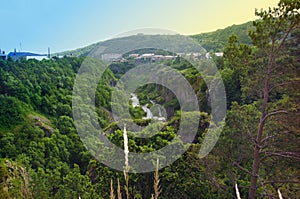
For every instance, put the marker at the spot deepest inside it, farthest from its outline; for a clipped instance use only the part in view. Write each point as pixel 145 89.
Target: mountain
pixel 216 40
pixel 210 41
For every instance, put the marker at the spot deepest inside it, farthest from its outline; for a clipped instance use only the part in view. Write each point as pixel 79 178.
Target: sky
pixel 35 25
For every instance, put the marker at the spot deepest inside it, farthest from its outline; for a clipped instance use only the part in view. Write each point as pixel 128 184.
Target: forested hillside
pixel 42 155
pixel 212 41
pixel 216 41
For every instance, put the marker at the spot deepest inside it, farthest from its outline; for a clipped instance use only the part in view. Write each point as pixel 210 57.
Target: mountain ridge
pixel 211 41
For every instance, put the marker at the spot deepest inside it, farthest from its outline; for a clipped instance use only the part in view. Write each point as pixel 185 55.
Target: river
pixel 149 115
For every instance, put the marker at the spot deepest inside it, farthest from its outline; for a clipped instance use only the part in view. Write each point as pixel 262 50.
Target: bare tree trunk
pixel 256 160
pixel 258 141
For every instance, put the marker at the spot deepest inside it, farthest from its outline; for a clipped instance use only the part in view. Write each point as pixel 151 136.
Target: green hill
pixel 43 152
pixel 216 40
pixel 210 41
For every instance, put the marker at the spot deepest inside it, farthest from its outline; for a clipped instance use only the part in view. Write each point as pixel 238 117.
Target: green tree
pixel 272 69
pixel 236 57
pixel 75 185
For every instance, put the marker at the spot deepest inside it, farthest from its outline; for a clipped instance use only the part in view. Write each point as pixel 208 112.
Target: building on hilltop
pixel 26 55
pixel 151 58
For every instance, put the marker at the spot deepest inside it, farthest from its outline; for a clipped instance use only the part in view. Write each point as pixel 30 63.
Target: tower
pixel 48 53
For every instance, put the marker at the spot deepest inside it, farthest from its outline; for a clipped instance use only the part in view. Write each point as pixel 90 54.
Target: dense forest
pixel 257 154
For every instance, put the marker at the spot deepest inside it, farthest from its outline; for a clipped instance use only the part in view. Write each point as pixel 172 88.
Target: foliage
pixel 42 156
pixel 217 40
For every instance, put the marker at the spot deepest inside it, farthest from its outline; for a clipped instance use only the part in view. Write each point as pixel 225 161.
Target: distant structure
pixel 23 55
pixel 3 56
pixel 111 57
pixel 217 54
pixel 150 58
pixel 49 55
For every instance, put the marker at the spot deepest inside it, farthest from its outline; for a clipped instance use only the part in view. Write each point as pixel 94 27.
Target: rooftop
pixel 23 54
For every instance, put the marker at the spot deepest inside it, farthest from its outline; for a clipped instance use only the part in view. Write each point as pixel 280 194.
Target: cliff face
pixel 14 181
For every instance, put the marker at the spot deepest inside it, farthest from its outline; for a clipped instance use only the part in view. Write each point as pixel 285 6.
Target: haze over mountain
pixel 215 40
pixel 66 26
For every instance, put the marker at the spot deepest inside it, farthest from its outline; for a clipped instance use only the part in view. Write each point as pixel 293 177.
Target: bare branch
pixel 241 168
pixel 272 136
pixel 291 28
pixel 282 182
pixel 263 185
pixel 283 84
pixel 293 155
pixel 245 170
pixel 249 135
pixel 267 138
pixel 273 113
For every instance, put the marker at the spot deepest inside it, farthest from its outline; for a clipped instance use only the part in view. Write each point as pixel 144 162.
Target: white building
pixel 26 55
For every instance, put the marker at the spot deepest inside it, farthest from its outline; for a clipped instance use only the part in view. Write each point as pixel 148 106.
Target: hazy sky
pixel 70 24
